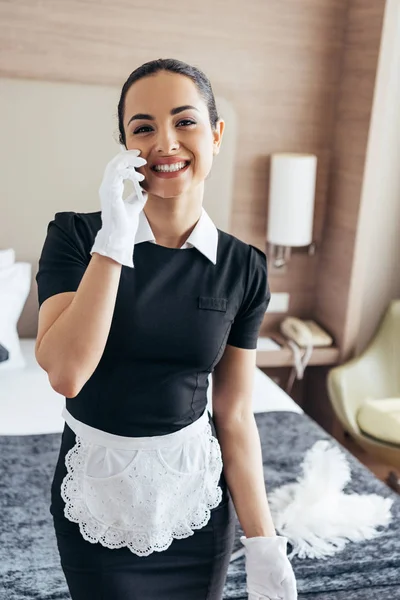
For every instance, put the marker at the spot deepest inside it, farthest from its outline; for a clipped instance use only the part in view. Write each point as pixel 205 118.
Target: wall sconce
pixel 291 205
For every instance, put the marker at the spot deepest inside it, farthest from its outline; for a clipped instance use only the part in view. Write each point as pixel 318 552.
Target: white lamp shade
pixel 291 199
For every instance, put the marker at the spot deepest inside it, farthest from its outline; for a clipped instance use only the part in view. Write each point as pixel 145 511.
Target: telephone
pixel 305 333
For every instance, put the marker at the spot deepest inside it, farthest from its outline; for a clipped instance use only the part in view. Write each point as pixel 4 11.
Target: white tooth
pixel 168 168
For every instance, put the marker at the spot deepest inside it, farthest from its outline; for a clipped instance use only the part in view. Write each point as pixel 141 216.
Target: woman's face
pixel 167 120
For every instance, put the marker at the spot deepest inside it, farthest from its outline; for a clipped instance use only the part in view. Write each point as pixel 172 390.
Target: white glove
pixel 120 218
pixel 269 572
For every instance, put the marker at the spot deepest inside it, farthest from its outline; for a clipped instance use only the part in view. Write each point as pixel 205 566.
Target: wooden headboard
pixel 55 140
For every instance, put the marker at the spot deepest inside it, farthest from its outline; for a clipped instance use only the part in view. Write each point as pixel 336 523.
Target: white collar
pixel 204 236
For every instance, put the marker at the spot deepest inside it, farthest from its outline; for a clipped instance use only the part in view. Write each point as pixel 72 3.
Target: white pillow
pixel 7 257
pixel 15 283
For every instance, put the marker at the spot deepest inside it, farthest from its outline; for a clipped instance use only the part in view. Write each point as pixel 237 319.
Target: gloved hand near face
pixel 269 572
pixel 120 218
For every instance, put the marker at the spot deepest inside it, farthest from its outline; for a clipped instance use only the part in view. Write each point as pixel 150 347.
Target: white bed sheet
pixel 29 405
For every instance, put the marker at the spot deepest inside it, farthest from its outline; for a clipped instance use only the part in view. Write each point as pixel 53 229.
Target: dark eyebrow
pixel 174 111
pixel 179 109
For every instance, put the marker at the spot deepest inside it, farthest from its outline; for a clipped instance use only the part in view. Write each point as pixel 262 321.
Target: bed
pixel 30 426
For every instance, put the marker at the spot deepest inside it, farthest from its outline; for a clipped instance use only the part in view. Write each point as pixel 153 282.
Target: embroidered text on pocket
pixel 211 303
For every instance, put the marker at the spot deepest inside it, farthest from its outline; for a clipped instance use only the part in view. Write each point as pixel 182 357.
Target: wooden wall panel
pixel 376 279
pixel 356 92
pixel 278 63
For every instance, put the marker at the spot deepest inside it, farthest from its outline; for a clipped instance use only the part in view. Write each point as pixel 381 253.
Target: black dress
pixel 174 314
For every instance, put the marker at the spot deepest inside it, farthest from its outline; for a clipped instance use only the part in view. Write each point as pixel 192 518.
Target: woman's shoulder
pixel 80 228
pixel 240 248
pixel 70 220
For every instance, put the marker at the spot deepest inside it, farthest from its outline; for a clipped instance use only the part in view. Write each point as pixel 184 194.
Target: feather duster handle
pixel 316 516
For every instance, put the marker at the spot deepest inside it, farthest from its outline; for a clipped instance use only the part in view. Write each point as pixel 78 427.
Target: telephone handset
pixel 305 333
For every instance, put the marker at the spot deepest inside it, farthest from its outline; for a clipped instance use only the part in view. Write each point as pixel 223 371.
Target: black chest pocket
pixel 213 303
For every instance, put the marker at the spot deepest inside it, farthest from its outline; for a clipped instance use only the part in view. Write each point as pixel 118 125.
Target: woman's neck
pixel 172 220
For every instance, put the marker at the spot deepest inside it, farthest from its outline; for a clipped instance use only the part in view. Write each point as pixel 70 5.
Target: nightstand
pixel 310 393
pixel 284 356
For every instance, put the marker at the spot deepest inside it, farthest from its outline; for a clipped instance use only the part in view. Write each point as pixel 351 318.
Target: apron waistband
pixel 110 440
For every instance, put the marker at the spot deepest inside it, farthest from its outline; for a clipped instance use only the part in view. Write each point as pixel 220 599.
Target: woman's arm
pixel 240 441
pixel 69 345
pixel 73 333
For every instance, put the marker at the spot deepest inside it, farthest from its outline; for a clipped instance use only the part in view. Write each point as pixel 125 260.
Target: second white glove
pixel 120 218
pixel 269 572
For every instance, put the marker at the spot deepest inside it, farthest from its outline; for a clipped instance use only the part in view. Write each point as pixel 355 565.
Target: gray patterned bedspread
pixel 367 570
pixel 29 563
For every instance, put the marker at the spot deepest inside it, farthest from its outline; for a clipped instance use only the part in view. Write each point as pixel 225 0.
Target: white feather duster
pixel 316 516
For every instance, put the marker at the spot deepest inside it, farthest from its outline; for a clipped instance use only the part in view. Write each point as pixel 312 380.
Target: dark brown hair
pixel 173 66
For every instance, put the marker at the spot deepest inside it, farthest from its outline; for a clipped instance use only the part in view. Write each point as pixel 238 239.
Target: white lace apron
pixel 141 492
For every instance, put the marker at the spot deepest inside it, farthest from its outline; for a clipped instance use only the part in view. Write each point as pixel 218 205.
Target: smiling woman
pixel 167 110
pixel 147 481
